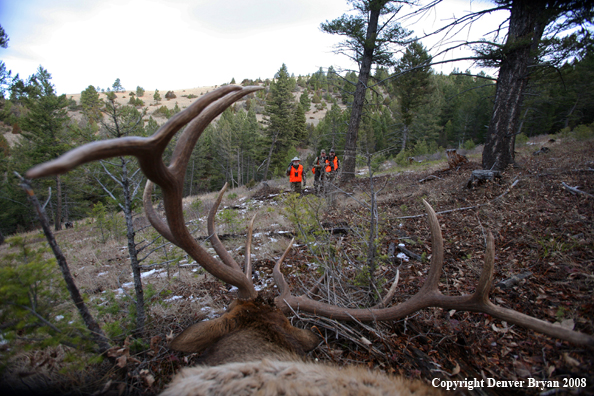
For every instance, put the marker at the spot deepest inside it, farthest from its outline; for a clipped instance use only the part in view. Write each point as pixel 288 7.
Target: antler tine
pixel 214 238
pixel 161 227
pixel 430 296
pixel 281 283
pixel 147 150
pixel 188 139
pixel 248 251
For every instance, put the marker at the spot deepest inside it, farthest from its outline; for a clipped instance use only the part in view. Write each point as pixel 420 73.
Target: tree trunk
pixel 130 234
pixel 96 332
pixel 58 218
pixel 404 138
pixel 350 148
pixel 525 31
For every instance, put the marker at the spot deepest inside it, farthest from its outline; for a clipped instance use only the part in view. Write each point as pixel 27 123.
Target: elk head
pixel 252 330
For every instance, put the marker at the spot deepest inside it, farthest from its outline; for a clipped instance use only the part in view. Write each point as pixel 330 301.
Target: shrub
pixel 34 302
pixel 170 95
pixel 521 140
pixel 584 132
pixel 469 144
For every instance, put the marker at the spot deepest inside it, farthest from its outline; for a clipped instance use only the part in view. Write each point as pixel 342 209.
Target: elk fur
pixel 253 349
pixel 291 378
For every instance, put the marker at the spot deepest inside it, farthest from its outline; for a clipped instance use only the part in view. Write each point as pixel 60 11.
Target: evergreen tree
pixel 279 110
pixel 367 42
pixel 117 86
pixel 139 91
pixel 44 128
pixel 91 104
pixel 414 87
pixel 300 124
pixel 304 100
pixel 157 96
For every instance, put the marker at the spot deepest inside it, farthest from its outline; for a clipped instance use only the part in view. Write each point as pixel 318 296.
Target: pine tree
pixel 91 104
pixel 413 88
pixel 157 96
pixel 44 128
pixel 279 109
pixel 117 86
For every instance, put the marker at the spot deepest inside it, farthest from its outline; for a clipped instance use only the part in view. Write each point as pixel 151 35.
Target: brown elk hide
pixel 250 330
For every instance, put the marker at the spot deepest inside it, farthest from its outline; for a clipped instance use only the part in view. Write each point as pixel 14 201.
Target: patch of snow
pixel 128 284
pixel 102 273
pixel 234 288
pixel 149 273
pixel 173 298
pixel 402 256
pixel 401 245
pixel 59 318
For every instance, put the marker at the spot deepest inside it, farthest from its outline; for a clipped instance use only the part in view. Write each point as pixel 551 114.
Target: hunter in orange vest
pixel 319 171
pixel 333 165
pixel 296 175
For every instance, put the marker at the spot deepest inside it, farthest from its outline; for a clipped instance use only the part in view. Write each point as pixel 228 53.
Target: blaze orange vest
pixel 328 169
pixel 295 175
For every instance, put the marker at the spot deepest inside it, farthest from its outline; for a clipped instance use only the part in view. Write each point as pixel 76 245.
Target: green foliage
pixel 139 91
pixel 163 111
pixel 34 303
pixel 304 213
pixel 304 100
pixel 99 214
pixel 157 96
pixel 117 86
pixel 584 132
pixel 376 162
pixel 402 157
pixel 231 196
pixel 230 219
pixel 119 310
pixel 108 224
pixel 91 104
pixel 469 144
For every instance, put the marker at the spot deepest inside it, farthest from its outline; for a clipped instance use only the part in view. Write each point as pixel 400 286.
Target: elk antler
pixel 430 296
pixel 170 178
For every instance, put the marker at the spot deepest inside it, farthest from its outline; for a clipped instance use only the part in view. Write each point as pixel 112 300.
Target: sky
pixel 175 44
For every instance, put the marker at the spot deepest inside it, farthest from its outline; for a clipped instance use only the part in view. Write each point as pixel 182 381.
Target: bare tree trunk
pixel 130 234
pixel 96 332
pixel 525 31
pixel 350 148
pixel 404 138
pixel 58 219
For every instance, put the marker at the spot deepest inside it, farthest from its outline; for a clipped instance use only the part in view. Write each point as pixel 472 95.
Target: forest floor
pixel 543 231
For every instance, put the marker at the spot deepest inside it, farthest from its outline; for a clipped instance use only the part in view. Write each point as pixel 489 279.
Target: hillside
pixel 543 232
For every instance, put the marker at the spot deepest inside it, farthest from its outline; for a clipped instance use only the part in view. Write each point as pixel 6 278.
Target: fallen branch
pixel 467 207
pixel 430 177
pixel 575 190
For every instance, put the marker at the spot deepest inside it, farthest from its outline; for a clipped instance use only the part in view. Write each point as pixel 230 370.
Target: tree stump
pixel 480 176
pixel 455 159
